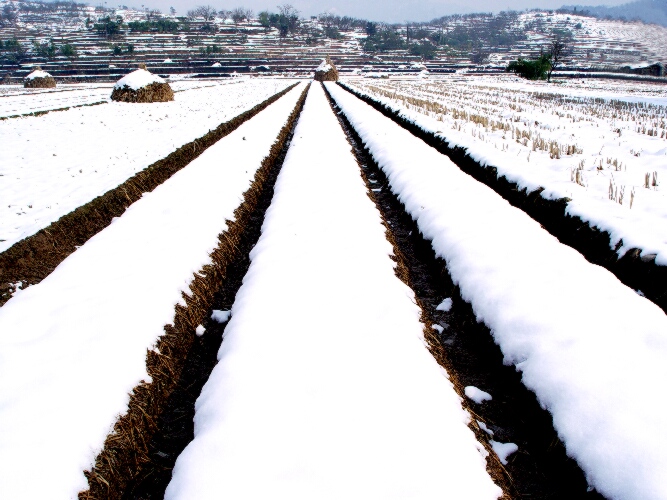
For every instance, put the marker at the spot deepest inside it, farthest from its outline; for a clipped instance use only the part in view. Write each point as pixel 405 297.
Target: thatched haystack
pixel 326 71
pixel 39 79
pixel 142 86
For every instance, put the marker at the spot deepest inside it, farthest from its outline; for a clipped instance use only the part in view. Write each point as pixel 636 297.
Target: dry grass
pixel 126 448
pixel 154 92
pixel 30 260
pixel 327 76
pixel 47 82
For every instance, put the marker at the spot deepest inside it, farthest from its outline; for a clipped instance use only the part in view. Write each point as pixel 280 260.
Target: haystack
pixel 39 79
pixel 142 86
pixel 326 71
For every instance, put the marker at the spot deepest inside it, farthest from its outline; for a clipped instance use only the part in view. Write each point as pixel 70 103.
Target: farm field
pixel 54 163
pixel 17 101
pixel 323 300
pixel 601 145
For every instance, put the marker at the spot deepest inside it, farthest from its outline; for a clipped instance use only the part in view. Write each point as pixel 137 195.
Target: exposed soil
pixel 541 468
pixel 149 471
pixel 639 273
pixel 32 259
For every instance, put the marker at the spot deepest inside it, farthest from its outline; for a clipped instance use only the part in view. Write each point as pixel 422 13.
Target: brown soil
pixel 541 468
pixel 29 261
pixel 129 456
pixel 154 92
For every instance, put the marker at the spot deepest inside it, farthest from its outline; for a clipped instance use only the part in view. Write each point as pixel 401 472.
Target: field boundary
pixel 32 259
pixel 632 269
pixel 127 448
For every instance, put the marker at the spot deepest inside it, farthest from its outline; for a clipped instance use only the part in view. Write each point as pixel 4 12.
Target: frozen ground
pixel 52 164
pixel 593 351
pixel 601 144
pixel 73 346
pixel 324 387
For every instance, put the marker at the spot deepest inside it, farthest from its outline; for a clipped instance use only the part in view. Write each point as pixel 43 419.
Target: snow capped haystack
pixel 39 79
pixel 142 86
pixel 326 71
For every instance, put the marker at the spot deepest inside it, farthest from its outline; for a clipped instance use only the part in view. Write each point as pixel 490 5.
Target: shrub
pixel 532 69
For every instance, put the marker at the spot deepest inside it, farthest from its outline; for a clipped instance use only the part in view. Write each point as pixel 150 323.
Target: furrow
pixel 637 271
pixel 465 348
pixel 30 260
pixel 591 350
pixel 324 387
pixel 88 345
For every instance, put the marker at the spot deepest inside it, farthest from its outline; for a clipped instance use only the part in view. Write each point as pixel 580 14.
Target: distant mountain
pixel 649 11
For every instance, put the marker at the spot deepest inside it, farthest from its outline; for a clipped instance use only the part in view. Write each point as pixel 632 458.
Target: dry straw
pixel 153 92
pixel 31 260
pixel 126 449
pixel 40 82
pixel 329 75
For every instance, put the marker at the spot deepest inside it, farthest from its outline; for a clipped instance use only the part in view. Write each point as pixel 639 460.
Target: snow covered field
pixel 593 351
pixel 52 164
pixel 16 100
pixel 74 346
pixel 601 144
pixel 324 387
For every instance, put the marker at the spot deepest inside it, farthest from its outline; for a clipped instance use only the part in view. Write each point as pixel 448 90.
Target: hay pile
pixel 326 71
pixel 39 79
pixel 142 86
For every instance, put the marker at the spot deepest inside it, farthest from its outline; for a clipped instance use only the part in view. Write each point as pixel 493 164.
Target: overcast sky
pixel 376 10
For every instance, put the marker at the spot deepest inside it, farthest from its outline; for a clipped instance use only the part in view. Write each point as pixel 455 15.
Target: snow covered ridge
pixel 592 350
pixel 606 151
pixel 324 66
pixel 85 152
pixel 281 407
pixel 90 319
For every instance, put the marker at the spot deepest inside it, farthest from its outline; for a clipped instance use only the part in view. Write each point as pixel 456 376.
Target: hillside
pixel 80 42
pixel 648 11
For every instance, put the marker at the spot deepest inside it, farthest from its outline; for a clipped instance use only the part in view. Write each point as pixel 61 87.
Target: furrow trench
pixel 32 259
pixel 140 452
pixel 465 348
pixel 637 271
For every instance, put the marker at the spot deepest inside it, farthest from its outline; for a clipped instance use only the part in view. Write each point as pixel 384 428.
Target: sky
pixel 391 11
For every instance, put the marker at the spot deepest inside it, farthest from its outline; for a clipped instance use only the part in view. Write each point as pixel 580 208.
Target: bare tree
pixel 240 14
pixel 206 12
pixel 557 50
pixel 223 14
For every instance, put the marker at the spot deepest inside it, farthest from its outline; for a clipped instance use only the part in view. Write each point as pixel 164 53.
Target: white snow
pixel 138 79
pixel 52 164
pixel 200 330
pixel 484 427
pixel 74 346
pixel 445 305
pixel 38 73
pixel 324 66
pixel 607 126
pixel 477 395
pixel 221 316
pixel 503 450
pixel 307 404
pixel 593 351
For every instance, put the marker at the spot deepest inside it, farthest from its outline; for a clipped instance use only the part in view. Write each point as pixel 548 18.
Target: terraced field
pixel 315 300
